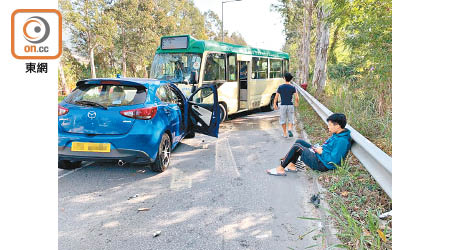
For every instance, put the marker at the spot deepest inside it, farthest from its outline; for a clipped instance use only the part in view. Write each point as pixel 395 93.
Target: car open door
pixel 204 112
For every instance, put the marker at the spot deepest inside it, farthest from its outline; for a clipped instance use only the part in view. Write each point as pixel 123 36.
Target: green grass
pixel 367 107
pixel 355 198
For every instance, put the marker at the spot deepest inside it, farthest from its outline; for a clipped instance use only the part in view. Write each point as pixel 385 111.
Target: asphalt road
pixel 215 195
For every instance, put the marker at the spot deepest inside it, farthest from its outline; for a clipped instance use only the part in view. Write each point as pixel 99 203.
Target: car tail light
pixel 142 113
pixel 62 110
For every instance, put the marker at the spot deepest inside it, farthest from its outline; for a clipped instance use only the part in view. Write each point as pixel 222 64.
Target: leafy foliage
pixel 359 67
pixel 121 36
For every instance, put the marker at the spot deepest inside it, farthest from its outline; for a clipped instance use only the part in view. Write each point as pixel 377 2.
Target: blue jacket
pixel 335 149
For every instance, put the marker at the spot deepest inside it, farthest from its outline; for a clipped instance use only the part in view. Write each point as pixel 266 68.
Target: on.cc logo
pixel 36 34
pixel 36 29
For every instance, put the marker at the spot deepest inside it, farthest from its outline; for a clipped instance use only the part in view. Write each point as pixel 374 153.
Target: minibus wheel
pixel 270 106
pixel 223 112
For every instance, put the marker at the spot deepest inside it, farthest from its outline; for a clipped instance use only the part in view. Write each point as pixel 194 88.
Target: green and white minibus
pixel 190 63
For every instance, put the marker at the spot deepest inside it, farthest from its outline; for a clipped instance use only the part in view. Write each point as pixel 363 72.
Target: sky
pixel 260 27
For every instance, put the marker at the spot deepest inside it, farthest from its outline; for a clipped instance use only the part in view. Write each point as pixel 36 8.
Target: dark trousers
pixel 302 149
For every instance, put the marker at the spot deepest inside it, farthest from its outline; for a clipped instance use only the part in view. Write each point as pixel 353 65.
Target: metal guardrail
pixel 377 162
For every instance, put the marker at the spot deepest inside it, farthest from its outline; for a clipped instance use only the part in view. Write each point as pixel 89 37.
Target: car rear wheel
pixel 66 164
pixel 163 157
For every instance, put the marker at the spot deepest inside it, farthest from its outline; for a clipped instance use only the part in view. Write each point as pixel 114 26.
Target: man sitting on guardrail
pixel 322 158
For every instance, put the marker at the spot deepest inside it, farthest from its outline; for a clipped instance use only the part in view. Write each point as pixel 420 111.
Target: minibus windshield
pixel 175 67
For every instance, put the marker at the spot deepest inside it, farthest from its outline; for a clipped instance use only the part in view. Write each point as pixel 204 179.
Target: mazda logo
pixel 92 114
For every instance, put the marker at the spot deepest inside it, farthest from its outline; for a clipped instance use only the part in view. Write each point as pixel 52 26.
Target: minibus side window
pixel 259 68
pixel 214 67
pixel 232 68
pixel 275 68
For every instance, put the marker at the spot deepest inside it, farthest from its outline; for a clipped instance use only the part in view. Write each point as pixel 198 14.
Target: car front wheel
pixel 163 157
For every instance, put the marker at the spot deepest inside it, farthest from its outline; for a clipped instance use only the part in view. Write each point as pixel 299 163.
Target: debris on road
pixel 156 234
pixel 385 215
pixel 205 146
pixel 141 171
pixel 143 209
pixel 132 197
pixel 315 199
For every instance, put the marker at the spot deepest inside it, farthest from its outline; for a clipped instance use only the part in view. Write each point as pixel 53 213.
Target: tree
pixel 136 35
pixel 212 25
pixel 64 86
pixel 323 37
pixel 292 14
pixel 88 25
pixel 306 40
pixel 71 71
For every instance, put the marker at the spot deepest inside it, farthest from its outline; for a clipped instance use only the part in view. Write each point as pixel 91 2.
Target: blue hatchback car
pixel 131 121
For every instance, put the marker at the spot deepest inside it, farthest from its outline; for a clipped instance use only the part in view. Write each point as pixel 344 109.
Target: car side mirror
pixel 194 77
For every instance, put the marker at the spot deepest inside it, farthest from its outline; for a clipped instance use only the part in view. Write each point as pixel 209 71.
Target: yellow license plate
pixel 91 147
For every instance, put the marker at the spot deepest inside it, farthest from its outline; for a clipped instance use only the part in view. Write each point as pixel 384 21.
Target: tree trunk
pixel 320 67
pixel 91 57
pixel 306 43
pixel 331 53
pixel 63 79
pixel 124 55
pixel 299 56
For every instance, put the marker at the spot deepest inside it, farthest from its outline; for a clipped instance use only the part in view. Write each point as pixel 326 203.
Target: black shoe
pixel 315 199
pixel 290 133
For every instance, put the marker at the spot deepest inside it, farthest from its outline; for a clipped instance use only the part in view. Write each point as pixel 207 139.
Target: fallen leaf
pixel 381 234
pixel 143 209
pixel 365 232
pixel 344 194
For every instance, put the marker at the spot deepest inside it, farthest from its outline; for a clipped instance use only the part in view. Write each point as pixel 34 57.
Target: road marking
pixel 224 157
pixel 73 171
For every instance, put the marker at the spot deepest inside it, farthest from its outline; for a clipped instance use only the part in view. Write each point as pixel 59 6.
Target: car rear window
pixel 108 95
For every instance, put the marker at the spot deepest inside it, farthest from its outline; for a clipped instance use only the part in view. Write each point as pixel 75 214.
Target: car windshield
pixel 107 95
pixel 175 67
